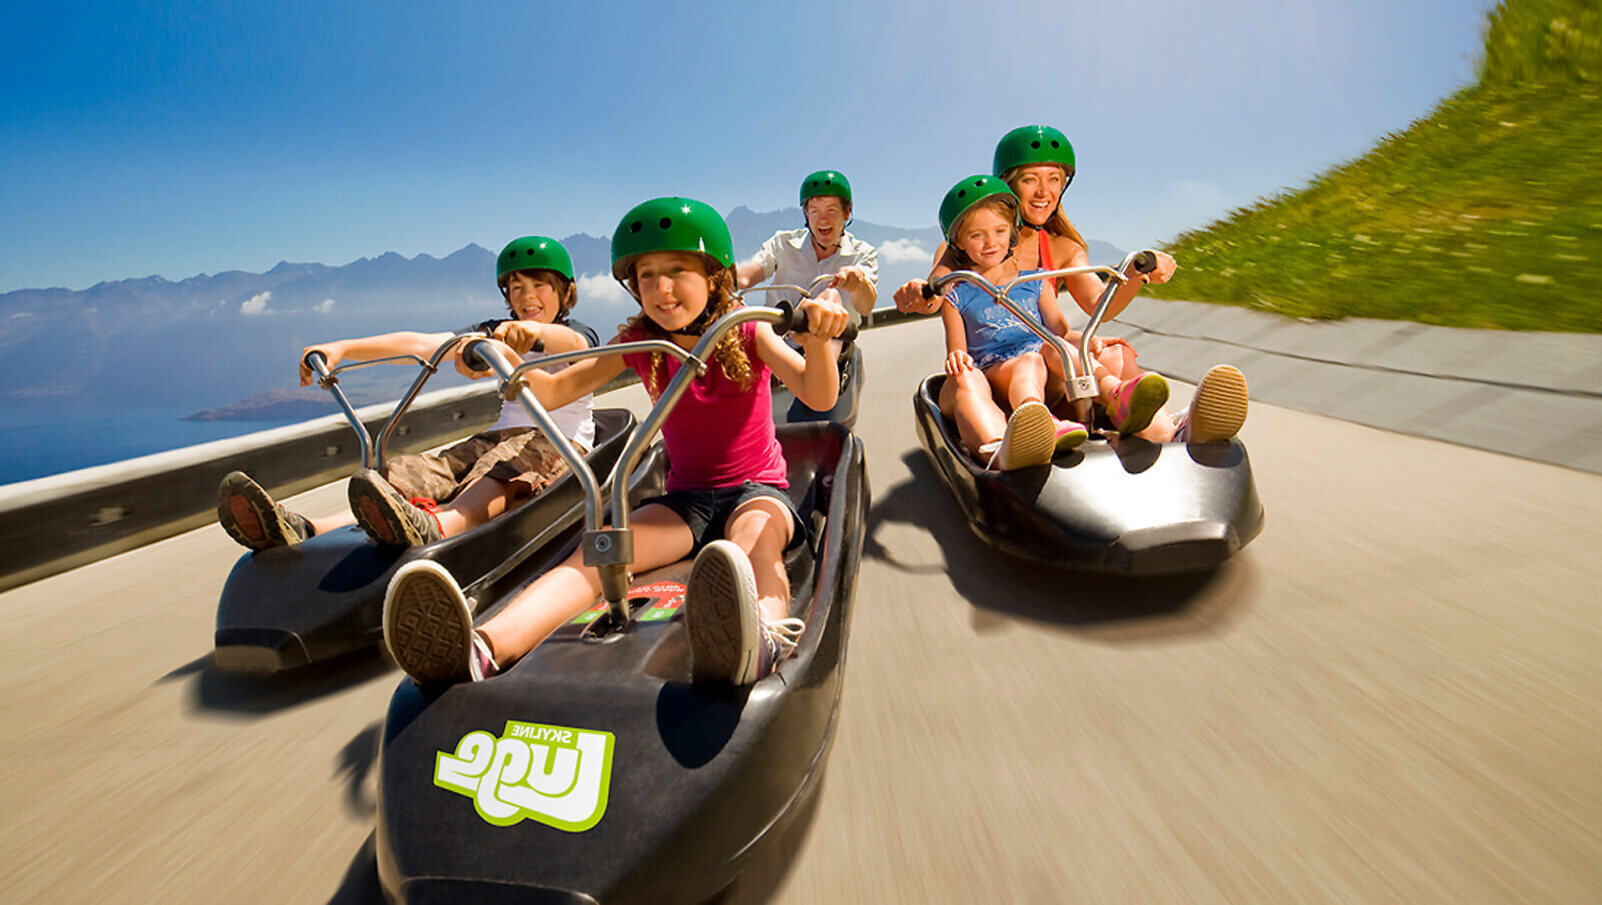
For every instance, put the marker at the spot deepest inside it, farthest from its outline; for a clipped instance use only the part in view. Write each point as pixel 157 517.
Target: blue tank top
pixel 992 331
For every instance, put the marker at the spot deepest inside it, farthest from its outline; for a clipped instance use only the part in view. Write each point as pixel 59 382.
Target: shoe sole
pixel 1151 393
pixel 427 626
pixel 717 623
pixel 249 515
pixel 1031 438
pixel 376 514
pixel 1219 410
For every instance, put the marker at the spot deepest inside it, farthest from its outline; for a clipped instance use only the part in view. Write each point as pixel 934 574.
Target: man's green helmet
pixel 824 183
pixel 1027 145
pixel 533 253
pixel 971 191
pixel 670 224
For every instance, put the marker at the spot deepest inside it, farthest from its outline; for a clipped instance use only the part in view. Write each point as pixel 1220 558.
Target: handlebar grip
pixel 471 358
pixel 316 362
pixel 1146 261
pixel 795 321
pixel 928 291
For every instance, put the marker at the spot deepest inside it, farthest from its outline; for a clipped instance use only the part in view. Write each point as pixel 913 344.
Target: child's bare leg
pixel 331 522
pixel 1019 380
pixel 967 400
pixel 480 501
pixel 660 537
pixel 1119 360
pixel 762 528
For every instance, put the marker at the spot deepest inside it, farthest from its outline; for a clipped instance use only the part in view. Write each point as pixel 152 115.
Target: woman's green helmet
pixel 533 253
pixel 824 183
pixel 1027 145
pixel 971 191
pixel 670 224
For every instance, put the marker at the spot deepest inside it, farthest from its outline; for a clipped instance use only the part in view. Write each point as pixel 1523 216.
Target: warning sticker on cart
pixel 553 775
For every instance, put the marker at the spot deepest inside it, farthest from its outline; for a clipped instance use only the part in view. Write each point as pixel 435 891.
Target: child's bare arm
pixel 957 357
pixel 368 347
pixel 556 338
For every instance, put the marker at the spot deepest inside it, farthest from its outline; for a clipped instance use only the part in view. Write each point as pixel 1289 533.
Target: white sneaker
pixel 730 639
pixel 1031 437
pixel 428 627
pixel 1218 410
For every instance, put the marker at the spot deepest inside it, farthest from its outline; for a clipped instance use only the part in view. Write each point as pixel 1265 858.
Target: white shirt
pixel 788 258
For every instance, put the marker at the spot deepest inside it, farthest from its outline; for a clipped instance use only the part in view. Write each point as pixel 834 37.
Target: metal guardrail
pixel 52 524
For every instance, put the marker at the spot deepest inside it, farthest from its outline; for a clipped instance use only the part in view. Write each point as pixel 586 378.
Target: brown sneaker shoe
pixel 249 515
pixel 386 516
pixel 1218 410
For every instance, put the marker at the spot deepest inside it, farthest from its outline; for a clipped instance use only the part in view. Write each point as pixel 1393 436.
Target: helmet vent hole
pixel 636 226
pixel 1035 145
pixel 665 222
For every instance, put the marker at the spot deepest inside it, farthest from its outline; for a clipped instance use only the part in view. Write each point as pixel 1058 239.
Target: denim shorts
pixel 1007 351
pixel 706 512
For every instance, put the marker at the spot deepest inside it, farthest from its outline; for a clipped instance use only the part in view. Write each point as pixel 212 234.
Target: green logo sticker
pixel 549 774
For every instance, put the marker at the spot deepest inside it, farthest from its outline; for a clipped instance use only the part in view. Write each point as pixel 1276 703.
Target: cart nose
pixel 1187 547
pixel 443 891
pixel 259 649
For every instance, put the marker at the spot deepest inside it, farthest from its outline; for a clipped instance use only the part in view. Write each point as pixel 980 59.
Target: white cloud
pixel 256 304
pixel 602 288
pixel 901 251
pixel 323 307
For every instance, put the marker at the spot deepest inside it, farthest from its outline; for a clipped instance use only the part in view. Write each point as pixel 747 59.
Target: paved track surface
pixel 1391 696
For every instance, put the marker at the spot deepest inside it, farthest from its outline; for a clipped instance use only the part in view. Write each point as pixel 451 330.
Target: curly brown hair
pixel 729 353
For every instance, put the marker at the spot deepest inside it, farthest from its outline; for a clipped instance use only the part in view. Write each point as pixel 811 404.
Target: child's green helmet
pixel 824 183
pixel 1027 145
pixel 533 253
pixel 971 191
pixel 670 224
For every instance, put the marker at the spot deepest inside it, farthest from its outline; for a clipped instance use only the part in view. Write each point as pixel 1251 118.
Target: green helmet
pixel 824 183
pixel 971 191
pixel 670 224
pixel 1034 144
pixel 533 253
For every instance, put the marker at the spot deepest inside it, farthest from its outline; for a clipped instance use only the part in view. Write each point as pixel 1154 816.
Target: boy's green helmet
pixel 825 183
pixel 971 191
pixel 1027 145
pixel 670 224
pixel 533 253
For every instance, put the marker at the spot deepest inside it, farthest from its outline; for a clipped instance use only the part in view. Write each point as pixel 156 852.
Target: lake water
pixel 35 442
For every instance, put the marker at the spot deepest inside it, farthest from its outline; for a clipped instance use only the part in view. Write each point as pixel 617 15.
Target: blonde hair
pixel 996 203
pixel 729 354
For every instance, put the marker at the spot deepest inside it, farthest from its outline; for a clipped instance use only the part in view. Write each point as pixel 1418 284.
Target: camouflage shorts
pixel 521 457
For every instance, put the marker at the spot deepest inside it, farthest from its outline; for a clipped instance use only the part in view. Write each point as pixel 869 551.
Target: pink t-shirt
pixel 719 435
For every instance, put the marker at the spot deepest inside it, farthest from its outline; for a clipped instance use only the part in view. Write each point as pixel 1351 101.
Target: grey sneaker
pixel 428 627
pixel 387 516
pixel 1218 410
pixel 249 515
pixel 730 640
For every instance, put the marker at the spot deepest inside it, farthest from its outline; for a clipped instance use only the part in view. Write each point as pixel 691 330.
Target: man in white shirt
pixel 796 257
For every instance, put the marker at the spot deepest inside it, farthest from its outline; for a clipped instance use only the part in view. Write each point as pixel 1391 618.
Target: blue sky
pixel 181 138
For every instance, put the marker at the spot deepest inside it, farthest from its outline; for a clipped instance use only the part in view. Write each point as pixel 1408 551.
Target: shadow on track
pixel 1003 589
pixel 258 694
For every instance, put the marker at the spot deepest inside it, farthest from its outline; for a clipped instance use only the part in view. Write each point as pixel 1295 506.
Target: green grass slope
pixel 1485 213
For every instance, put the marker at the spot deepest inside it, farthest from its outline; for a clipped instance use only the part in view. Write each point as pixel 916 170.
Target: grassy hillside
pixel 1486 213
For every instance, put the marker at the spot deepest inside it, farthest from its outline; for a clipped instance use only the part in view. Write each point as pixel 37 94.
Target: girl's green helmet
pixel 670 224
pixel 971 191
pixel 533 253
pixel 1027 145
pixel 825 183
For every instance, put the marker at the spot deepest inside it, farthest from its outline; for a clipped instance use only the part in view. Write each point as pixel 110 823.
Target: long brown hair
pixel 729 353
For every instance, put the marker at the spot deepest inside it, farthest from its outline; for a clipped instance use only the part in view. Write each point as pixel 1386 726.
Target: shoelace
pixel 430 506
pixel 783 635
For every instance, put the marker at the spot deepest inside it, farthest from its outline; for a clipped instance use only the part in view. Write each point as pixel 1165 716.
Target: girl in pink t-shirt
pixel 725 503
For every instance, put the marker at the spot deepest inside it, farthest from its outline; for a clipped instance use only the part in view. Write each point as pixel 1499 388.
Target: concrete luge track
pixel 1391 695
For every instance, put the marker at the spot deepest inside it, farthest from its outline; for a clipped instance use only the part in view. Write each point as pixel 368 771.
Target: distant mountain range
pixel 210 341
